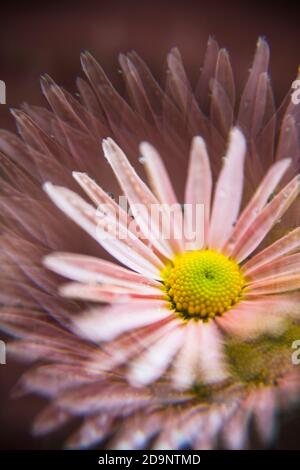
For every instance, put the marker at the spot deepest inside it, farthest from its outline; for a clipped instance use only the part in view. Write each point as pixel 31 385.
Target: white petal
pixel 228 193
pixel 121 244
pixel 198 190
pixel 107 323
pixel 150 365
pixel 141 199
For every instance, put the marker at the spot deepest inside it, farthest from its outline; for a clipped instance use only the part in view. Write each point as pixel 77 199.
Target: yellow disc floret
pixel 203 283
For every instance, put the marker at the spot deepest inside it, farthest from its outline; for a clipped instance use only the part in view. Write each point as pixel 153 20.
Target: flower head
pixel 188 296
pixel 187 302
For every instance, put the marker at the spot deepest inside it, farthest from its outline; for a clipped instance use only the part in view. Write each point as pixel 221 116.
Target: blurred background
pixel 37 38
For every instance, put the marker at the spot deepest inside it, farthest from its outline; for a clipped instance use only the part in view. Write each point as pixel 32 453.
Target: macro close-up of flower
pixel 150 255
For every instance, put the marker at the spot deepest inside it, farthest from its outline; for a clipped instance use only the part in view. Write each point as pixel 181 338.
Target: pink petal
pixel 84 268
pixel 120 243
pixel 266 220
pixel 258 201
pixel 228 193
pixel 140 198
pixel 264 411
pixel 128 346
pixel 275 284
pixel 253 317
pixel 109 293
pixel 100 197
pixel 162 188
pixel 283 266
pixel 106 323
pixel 212 357
pixel 198 190
pixel 186 369
pixel 150 365
pixel 283 246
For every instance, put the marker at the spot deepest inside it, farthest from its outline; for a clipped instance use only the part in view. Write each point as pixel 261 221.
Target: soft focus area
pixel 37 39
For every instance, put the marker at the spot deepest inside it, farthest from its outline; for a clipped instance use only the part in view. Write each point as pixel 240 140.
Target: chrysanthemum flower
pixel 201 289
pixel 207 320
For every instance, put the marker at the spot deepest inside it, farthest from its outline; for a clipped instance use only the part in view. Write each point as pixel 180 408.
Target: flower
pixel 202 289
pixel 191 327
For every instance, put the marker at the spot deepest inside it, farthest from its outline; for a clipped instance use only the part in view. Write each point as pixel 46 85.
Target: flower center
pixel 203 283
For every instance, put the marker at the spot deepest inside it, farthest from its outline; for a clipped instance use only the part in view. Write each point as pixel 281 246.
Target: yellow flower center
pixel 203 283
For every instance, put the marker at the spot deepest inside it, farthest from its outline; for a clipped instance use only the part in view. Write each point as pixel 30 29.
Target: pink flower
pixel 185 296
pixel 157 333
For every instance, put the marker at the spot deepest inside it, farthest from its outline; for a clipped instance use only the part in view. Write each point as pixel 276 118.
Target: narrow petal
pixel 106 323
pixel 123 349
pixel 198 191
pixel 287 265
pixel 162 188
pixel 228 193
pixel 265 411
pixel 275 284
pixel 121 244
pixel 186 365
pixel 266 220
pixel 101 198
pixel 258 202
pixel 150 365
pixel 88 269
pixel 212 357
pixel 283 246
pixel 142 201
pixel 109 293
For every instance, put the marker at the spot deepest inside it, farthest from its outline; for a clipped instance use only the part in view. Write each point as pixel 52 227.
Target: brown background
pixel 36 38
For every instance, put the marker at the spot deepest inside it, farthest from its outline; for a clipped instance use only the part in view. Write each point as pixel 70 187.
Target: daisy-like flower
pixel 187 296
pixel 192 329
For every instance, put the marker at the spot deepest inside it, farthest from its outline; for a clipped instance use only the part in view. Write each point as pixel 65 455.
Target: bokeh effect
pixel 49 38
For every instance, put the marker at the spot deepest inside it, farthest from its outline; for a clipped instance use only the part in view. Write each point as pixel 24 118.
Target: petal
pixel 265 411
pixel 252 318
pixel 109 293
pixel 142 201
pixel 257 202
pixel 101 198
pixel 266 220
pixel 228 193
pixel 275 284
pixel 286 265
pixel 283 246
pixel 186 365
pixel 198 191
pixel 121 350
pixel 88 269
pixel 162 188
pixel 106 323
pixel 150 365
pixel 120 243
pixel 212 357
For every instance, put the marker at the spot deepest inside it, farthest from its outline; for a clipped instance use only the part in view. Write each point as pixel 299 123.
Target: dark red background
pixel 37 38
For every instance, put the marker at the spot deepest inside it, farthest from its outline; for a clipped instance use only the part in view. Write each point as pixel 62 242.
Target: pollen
pixel 203 283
